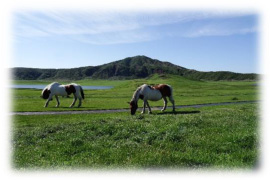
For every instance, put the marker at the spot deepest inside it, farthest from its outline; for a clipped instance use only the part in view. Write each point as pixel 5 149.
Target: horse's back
pixel 147 92
pixel 60 89
pixel 165 89
pixel 78 90
pixel 76 86
pixel 53 85
pixel 57 89
pixel 157 92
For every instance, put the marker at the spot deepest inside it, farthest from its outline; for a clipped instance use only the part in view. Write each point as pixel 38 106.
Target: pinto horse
pixel 152 93
pixel 56 89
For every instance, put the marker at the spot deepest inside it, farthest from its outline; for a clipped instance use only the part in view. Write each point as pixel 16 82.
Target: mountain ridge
pixel 127 68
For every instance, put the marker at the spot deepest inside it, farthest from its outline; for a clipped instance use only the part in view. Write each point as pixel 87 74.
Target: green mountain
pixel 128 68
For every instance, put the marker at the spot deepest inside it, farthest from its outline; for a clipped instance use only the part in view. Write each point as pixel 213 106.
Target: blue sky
pixel 205 41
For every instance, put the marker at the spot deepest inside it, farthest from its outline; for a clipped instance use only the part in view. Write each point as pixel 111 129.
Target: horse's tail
pixel 82 93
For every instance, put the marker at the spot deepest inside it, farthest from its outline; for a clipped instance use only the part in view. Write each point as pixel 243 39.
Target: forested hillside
pixel 128 68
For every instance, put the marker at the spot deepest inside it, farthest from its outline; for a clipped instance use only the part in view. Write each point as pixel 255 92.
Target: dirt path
pixel 124 110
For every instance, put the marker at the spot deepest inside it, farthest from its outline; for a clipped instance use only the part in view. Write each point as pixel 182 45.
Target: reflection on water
pixel 37 86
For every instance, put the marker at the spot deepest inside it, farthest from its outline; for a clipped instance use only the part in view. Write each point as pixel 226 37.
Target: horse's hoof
pixel 150 112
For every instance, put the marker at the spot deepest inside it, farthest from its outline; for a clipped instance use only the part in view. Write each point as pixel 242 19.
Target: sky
pixel 200 40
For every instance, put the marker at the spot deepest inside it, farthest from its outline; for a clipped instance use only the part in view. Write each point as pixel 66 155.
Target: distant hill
pixel 128 68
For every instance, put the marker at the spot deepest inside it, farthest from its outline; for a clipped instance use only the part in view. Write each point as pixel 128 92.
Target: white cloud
pixel 116 38
pixel 118 27
pixel 206 31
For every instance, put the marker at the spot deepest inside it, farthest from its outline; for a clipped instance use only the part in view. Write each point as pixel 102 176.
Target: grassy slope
pixel 214 137
pixel 185 92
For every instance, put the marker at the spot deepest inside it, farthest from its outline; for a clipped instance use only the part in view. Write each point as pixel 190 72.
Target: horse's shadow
pixel 178 112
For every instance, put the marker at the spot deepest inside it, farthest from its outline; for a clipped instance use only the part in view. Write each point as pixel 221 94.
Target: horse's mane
pixel 135 96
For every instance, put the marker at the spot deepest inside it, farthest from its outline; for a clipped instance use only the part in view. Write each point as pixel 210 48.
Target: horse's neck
pixel 136 95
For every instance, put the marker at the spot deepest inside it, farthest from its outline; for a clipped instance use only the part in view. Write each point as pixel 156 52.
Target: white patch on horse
pixel 56 89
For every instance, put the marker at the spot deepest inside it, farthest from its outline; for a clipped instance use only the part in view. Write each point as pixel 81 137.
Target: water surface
pixel 38 86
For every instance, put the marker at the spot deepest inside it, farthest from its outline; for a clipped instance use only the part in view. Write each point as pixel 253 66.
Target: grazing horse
pixel 152 93
pixel 56 89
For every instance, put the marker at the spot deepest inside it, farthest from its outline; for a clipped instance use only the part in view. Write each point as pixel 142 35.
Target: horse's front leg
pixel 74 101
pixel 149 109
pixel 47 103
pixel 165 104
pixel 58 102
pixel 144 103
pixel 48 100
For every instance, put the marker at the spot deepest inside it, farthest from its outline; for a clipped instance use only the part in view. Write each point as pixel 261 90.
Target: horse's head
pixel 133 107
pixel 45 94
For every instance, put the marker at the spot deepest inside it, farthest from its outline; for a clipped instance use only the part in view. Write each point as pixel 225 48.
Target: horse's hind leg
pixel 80 96
pixel 74 101
pixel 165 104
pixel 80 102
pixel 172 101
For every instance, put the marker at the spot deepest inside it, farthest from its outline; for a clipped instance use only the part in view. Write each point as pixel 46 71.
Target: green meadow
pixel 224 136
pixel 186 92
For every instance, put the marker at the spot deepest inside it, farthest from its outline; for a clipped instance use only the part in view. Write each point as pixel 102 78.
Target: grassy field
pixel 186 92
pixel 206 137
pixel 209 137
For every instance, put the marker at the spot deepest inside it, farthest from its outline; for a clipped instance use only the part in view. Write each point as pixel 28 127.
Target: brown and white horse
pixel 56 89
pixel 152 93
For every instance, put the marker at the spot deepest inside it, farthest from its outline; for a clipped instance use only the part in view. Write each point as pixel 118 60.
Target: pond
pixel 38 86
